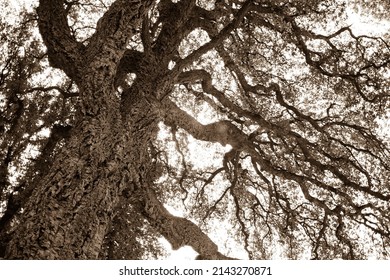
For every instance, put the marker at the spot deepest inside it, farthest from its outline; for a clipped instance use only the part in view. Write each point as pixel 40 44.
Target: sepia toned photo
pixel 195 130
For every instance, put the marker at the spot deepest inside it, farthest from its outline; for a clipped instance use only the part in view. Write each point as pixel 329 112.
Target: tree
pixel 92 154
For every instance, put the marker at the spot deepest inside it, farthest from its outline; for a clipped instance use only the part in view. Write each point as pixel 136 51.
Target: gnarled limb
pixel 178 231
pixel 63 50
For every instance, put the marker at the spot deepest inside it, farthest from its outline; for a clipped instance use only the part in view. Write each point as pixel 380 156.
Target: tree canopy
pixel 266 122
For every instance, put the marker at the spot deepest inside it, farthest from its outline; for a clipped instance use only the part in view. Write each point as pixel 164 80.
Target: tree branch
pixel 223 131
pixel 217 40
pixel 178 231
pixel 63 50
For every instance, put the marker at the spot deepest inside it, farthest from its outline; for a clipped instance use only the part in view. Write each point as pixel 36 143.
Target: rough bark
pixel 290 165
pixel 95 165
pixel 68 214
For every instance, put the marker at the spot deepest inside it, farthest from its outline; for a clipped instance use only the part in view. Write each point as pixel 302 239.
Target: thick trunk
pixel 68 216
pixel 69 212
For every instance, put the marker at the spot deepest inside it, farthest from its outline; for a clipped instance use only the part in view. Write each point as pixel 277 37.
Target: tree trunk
pixel 108 153
pixel 68 214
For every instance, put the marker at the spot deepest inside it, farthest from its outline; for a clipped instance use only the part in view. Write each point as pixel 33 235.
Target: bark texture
pixel 68 214
pixel 307 166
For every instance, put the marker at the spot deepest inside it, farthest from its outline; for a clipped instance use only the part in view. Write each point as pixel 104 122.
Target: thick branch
pixel 223 131
pixel 63 50
pixel 174 17
pixel 118 24
pixel 129 63
pixel 179 231
pixel 113 31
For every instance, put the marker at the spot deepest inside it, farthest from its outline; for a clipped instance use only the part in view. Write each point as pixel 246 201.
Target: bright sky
pixel 362 24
